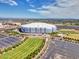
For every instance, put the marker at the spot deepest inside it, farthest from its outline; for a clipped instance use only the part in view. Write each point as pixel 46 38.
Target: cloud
pixel 32 10
pixel 61 8
pixel 41 12
pixel 66 3
pixel 10 2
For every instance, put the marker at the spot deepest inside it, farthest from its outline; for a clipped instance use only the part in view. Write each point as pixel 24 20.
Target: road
pixel 67 27
pixel 58 49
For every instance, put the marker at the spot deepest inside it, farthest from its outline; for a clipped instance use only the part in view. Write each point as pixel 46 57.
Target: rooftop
pixel 39 24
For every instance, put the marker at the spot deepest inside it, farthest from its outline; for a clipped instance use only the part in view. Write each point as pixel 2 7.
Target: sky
pixel 39 9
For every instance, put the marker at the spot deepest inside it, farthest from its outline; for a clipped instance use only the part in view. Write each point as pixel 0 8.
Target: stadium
pixel 38 27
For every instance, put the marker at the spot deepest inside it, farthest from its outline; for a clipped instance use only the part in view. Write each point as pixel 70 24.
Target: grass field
pixel 11 32
pixel 70 35
pixel 24 50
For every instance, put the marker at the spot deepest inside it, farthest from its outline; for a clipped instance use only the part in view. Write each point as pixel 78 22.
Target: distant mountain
pixel 36 19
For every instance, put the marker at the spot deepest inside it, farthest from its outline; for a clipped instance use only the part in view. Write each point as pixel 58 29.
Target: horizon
pixel 40 18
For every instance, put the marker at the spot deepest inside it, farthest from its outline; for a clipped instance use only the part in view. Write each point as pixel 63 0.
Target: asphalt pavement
pixel 59 49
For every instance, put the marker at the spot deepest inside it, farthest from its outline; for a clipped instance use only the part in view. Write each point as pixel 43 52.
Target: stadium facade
pixel 38 28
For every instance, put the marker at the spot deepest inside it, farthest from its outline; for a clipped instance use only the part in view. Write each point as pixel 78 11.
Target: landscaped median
pixel 27 50
pixel 72 38
pixel 44 49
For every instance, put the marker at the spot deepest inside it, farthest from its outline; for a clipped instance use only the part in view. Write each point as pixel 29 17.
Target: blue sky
pixel 39 8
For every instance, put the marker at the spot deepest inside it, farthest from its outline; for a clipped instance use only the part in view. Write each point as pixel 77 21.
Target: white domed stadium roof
pixel 39 25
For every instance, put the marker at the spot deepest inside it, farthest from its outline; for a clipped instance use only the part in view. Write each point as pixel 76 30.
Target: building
pixel 38 28
pixel 1 25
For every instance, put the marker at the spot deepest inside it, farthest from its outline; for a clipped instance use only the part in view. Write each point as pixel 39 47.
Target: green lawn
pixel 11 32
pixel 24 50
pixel 14 33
